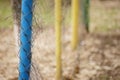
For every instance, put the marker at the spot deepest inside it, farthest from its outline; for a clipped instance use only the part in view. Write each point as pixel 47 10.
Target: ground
pixel 97 57
pixel 8 58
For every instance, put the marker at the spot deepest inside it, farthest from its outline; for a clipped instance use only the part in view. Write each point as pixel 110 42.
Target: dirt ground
pixel 97 57
pixel 8 57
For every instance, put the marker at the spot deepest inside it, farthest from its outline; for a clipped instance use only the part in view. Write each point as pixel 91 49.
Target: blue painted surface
pixel 25 40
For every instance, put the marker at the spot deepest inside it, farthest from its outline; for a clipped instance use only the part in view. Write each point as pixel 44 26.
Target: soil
pixel 8 57
pixel 97 57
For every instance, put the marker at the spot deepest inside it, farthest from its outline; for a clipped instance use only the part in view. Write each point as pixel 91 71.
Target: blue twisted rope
pixel 25 40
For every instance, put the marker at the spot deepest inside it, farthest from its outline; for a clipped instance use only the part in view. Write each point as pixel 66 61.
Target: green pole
pixel 85 5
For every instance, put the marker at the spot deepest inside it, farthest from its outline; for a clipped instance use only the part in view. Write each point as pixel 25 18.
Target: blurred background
pixel 99 50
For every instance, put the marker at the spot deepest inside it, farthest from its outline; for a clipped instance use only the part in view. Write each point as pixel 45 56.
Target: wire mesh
pixel 43 40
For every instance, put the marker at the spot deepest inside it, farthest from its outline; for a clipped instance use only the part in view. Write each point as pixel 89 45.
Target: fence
pixel 26 34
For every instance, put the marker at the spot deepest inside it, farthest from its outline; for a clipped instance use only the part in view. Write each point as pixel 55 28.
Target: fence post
pixel 75 23
pixel 85 13
pixel 58 22
pixel 16 11
pixel 25 40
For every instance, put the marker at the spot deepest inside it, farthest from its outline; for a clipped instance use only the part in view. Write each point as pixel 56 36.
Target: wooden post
pixel 16 11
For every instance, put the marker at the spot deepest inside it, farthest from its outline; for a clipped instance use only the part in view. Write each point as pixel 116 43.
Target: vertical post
pixel 16 10
pixel 58 22
pixel 25 40
pixel 85 13
pixel 75 23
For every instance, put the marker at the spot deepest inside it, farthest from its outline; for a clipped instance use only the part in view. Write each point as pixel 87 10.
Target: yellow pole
pixel 58 22
pixel 75 23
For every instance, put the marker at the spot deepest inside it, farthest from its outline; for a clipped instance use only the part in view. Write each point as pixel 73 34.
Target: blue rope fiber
pixel 25 40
